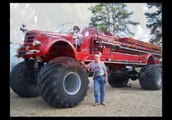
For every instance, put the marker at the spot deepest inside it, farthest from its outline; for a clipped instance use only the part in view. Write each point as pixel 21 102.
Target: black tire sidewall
pixel 150 77
pixel 63 93
pixel 117 80
pixel 50 82
pixel 20 81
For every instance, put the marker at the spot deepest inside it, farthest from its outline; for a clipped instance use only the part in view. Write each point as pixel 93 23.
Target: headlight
pixel 36 42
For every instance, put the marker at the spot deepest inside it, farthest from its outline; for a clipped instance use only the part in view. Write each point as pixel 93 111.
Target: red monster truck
pixel 52 68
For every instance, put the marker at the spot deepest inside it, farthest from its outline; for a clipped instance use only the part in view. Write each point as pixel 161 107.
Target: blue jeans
pixel 99 88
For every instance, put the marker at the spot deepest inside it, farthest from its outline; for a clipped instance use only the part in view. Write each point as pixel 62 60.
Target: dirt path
pixel 129 101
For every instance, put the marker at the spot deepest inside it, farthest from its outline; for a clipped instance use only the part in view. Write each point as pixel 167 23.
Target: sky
pixel 47 16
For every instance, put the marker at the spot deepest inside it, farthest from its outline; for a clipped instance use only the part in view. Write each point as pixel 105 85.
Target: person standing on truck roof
pixel 100 77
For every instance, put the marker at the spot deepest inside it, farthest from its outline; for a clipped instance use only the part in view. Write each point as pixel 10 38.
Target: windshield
pixel 65 28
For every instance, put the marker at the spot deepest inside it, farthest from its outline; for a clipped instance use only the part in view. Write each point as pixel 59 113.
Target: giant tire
pixel 150 77
pixel 117 80
pixel 63 82
pixel 22 80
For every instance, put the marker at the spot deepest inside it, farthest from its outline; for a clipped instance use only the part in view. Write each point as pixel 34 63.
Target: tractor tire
pixel 22 80
pixel 150 77
pixel 63 82
pixel 117 80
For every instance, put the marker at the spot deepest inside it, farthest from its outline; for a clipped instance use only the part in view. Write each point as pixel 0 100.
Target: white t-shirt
pixel 98 69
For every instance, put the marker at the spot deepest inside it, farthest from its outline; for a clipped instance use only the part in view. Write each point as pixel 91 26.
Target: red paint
pixel 113 48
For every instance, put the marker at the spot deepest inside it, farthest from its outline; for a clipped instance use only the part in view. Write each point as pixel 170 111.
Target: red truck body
pixel 114 49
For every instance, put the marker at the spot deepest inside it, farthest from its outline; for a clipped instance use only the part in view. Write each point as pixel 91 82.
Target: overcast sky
pixel 47 16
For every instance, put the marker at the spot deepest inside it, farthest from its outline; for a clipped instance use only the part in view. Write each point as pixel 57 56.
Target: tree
pixel 112 17
pixel 155 22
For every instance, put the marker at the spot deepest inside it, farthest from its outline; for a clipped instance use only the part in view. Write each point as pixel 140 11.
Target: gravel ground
pixel 128 101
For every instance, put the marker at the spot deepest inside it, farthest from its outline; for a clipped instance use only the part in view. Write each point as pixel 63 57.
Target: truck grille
pixel 29 37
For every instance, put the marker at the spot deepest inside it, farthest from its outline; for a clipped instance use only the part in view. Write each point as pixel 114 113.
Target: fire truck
pixel 51 66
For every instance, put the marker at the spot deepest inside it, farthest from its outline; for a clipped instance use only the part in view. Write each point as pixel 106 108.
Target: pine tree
pixel 155 22
pixel 113 18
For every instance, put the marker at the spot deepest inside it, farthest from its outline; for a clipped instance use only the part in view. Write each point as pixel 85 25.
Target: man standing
pixel 100 77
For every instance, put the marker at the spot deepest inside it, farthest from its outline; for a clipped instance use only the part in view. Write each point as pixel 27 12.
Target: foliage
pixel 112 17
pixel 155 22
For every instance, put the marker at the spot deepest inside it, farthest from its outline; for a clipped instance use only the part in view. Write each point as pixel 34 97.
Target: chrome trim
pixel 31 51
pixel 108 43
pixel 139 50
pixel 121 47
pixel 118 62
pixel 125 53
pixel 36 42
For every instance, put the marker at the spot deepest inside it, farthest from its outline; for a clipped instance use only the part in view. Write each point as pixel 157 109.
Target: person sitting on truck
pixel 100 77
pixel 77 36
